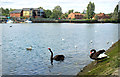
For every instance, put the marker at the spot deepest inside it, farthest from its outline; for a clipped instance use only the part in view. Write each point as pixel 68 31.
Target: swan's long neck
pixel 94 51
pixel 51 58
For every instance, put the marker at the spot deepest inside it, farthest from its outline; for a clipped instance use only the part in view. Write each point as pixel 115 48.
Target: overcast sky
pixel 106 6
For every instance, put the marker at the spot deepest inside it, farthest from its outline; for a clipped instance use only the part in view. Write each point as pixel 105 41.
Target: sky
pixel 104 6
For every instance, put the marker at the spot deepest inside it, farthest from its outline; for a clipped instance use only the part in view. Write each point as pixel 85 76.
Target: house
pixel 101 16
pixel 16 13
pixel 38 13
pixel 33 12
pixel 76 16
pixel 27 12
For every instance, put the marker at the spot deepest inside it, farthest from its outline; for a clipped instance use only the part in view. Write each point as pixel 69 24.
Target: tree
pixel 70 11
pixel 77 12
pixel 115 13
pixel 64 16
pixel 48 13
pixel 0 11
pixel 57 12
pixel 5 12
pixel 11 10
pixel 90 10
pixel 110 15
pixel 96 17
pixel 40 7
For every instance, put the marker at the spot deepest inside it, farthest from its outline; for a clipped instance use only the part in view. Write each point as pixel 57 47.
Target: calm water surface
pixel 72 40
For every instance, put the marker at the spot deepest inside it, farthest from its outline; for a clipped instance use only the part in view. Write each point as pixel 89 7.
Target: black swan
pixel 57 57
pixel 97 55
pixel 10 25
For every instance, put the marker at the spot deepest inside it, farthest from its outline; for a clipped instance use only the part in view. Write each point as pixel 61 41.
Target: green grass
pixel 106 66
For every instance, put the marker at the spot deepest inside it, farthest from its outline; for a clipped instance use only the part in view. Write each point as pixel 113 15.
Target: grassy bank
pixel 106 67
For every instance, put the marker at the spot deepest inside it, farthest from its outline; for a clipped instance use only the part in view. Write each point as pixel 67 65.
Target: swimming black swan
pixel 10 25
pixel 57 57
pixel 97 55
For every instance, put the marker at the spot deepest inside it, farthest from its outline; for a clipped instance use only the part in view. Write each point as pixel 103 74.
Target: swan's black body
pixel 94 55
pixel 57 57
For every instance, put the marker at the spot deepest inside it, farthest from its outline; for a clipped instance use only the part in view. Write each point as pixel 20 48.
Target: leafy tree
pixel 48 13
pixel 77 12
pixel 64 16
pixel 110 15
pixel 70 11
pixel 90 10
pixel 11 10
pixel 115 13
pixel 40 7
pixel 57 12
pixel 5 12
pixel 0 11
pixel 96 17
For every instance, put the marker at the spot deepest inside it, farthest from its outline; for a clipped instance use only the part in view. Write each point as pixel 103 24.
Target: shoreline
pixel 108 66
pixel 68 21
pixel 75 21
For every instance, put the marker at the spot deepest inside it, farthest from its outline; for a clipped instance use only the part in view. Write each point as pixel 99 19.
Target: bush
pixel 73 19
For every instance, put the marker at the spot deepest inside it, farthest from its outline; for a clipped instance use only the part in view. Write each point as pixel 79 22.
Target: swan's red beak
pixel 90 52
pixel 49 48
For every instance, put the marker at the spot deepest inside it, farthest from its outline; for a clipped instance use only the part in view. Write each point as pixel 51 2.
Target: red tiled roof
pixel 101 16
pixel 78 14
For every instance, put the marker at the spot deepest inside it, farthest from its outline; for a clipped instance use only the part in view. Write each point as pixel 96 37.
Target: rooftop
pixel 27 9
pixel 77 14
pixel 16 11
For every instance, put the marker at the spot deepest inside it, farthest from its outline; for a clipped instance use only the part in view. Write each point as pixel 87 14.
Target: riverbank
pixel 107 67
pixel 45 20
pixel 72 21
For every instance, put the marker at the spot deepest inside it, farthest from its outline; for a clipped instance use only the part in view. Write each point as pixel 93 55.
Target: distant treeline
pixel 57 12
pixel 5 12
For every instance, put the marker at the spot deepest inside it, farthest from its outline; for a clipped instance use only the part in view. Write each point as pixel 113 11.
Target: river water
pixel 74 41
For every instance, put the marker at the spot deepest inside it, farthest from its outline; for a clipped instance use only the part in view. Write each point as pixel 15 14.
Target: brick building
pixel 76 16
pixel 16 13
pixel 38 13
pixel 101 16
pixel 28 13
